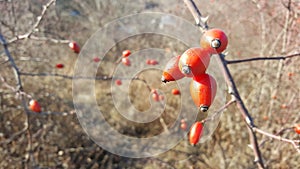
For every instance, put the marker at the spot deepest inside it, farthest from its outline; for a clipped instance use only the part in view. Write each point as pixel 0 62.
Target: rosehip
pixel 118 82
pixel 153 62
pixel 203 90
pixel 60 66
pixel 34 106
pixel 155 97
pixel 126 61
pixel 96 59
pixel 194 62
pixel 214 40
pixel 175 92
pixel 148 62
pixel 171 71
pixel 161 97
pixel 195 133
pixel 183 124
pixel 74 46
pixel 297 128
pixel 126 53
pixel 153 91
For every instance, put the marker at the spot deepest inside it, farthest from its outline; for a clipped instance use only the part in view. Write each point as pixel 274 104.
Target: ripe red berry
pixel 60 66
pixel 171 71
pixel 214 40
pixel 183 124
pixel 74 46
pixel 148 62
pixel 161 97
pixel 34 106
pixel 96 59
pixel 194 62
pixel 155 97
pixel 126 53
pixel 153 91
pixel 195 133
pixel 297 128
pixel 203 90
pixel 175 92
pixel 284 106
pixel 118 82
pixel 126 61
pixel 153 62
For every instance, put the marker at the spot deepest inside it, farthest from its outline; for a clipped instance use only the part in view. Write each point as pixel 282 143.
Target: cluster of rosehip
pixel 34 104
pixel 155 94
pixel 76 49
pixel 193 63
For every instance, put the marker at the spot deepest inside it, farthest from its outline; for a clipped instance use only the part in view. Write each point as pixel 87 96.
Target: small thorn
pixel 204 19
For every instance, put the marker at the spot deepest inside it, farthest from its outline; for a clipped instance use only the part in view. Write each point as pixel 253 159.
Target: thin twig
pixel 35 26
pixel 14 136
pixel 212 117
pixel 295 143
pixel 262 58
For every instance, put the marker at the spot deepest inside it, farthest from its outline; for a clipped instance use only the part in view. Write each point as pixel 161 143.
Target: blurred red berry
pixel 284 106
pixel 153 91
pixel 74 46
pixel 126 53
pixel 161 97
pixel 60 66
pixel 34 106
pixel 118 82
pixel 297 128
pixel 96 59
pixel 183 124
pixel 175 92
pixel 126 61
pixel 153 62
pixel 148 62
pixel 155 97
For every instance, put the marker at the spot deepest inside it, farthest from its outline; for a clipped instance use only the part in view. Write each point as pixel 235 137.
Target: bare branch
pixel 262 58
pixel 295 143
pixel 12 63
pixel 66 76
pixel 219 111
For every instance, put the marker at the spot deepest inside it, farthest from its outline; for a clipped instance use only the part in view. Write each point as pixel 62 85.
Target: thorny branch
pixel 235 93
